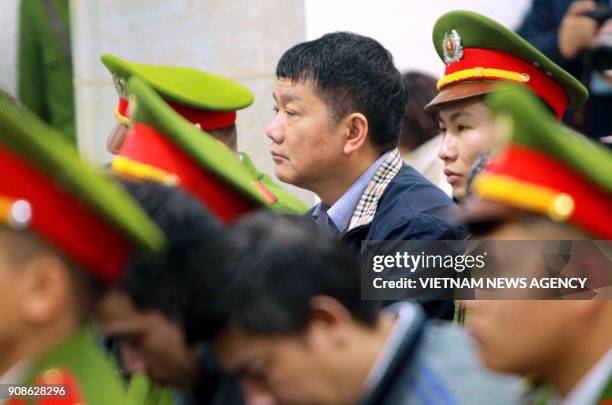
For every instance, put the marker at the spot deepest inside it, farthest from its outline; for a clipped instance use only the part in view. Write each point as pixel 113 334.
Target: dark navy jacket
pixel 410 208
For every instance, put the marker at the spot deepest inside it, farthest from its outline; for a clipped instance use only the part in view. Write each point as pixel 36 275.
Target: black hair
pixel 275 267
pixel 163 283
pixel 351 73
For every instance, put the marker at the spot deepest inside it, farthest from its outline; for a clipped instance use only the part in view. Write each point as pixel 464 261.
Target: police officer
pixel 66 233
pixel 478 54
pixel 548 182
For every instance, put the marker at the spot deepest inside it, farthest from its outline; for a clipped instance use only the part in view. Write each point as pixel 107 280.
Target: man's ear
pixel 593 263
pixel 48 289
pixel 356 125
pixel 330 322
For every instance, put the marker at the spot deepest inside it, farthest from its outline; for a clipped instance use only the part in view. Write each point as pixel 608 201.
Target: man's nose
pixel 255 394
pixel 274 129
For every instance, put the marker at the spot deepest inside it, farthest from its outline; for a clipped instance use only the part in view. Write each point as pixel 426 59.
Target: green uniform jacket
pixel 142 391
pixel 45 67
pixel 79 363
pixel 544 396
pixel 287 203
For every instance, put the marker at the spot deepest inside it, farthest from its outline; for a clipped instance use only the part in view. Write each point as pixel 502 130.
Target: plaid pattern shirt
pixel 336 218
pixel 366 207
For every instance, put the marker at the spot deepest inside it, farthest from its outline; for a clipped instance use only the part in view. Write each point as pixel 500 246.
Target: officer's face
pixel 528 337
pixel 305 145
pixel 36 297
pixel 148 341
pixel 467 130
pixel 532 337
pixel 11 287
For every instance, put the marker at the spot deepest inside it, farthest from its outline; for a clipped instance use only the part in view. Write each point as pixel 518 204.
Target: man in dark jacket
pixel 339 102
pixel 562 31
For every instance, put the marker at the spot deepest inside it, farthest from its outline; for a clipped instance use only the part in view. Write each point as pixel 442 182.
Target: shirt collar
pixel 14 374
pixel 408 319
pixel 590 385
pixel 341 212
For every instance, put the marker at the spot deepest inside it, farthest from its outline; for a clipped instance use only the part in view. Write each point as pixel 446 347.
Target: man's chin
pixel 282 175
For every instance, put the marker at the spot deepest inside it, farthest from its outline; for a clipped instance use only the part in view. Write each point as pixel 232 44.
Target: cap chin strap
pixel 480 73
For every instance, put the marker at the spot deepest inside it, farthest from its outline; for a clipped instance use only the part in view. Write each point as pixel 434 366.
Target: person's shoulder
pixel 448 355
pixel 83 368
pixel 413 208
pixel 411 188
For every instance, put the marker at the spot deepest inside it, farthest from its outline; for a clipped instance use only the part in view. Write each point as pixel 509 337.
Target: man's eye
pixel 275 109
pixel 441 131
pixel 461 128
pixel 291 113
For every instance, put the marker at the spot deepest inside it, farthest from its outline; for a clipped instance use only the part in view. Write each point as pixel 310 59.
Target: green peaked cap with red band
pixel 477 52
pixel 204 98
pixel 185 85
pixel 48 189
pixel 545 167
pixel 163 146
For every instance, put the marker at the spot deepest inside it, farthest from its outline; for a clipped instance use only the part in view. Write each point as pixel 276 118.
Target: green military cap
pixel 479 52
pixel 163 146
pixel 206 99
pixel 49 190
pixel 546 168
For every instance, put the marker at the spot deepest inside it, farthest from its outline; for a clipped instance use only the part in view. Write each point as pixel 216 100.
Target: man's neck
pixel 32 345
pixel 567 372
pixel 367 351
pixel 339 182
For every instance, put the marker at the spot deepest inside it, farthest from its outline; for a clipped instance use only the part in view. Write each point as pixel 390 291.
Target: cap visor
pixel 462 91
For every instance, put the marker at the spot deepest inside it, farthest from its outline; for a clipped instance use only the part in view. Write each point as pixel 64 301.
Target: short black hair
pixel 276 265
pixel 351 73
pixel 162 283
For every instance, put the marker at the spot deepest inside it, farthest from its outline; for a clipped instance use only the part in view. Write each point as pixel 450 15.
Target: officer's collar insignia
pixel 451 44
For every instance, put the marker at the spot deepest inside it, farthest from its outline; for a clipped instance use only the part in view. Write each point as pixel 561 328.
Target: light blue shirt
pixel 339 215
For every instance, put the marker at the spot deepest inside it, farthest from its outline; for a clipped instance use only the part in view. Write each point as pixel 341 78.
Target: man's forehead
pixel 236 349
pixel 290 89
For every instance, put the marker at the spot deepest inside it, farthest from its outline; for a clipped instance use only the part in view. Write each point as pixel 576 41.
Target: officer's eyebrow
pixel 457 114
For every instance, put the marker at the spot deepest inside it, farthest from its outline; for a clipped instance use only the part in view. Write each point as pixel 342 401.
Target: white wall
pixel 404 27
pixel 8 45
pixel 240 39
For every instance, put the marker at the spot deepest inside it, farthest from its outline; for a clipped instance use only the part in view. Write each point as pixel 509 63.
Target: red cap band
pixel 145 145
pixel 539 82
pixel 591 204
pixel 122 107
pixel 65 221
pixel 207 120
